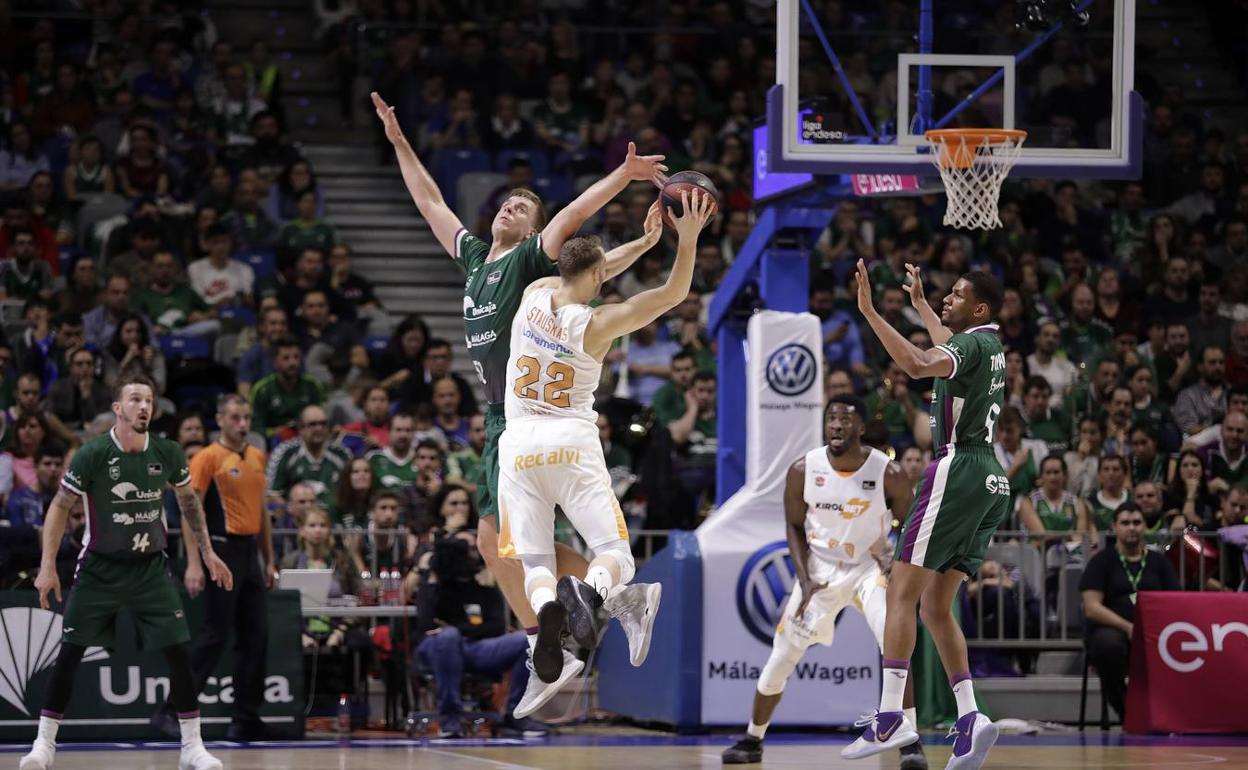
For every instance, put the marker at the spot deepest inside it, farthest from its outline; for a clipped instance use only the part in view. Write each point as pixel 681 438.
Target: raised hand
pixel 385 113
pixel 866 305
pixel 696 211
pixel 917 297
pixel 638 168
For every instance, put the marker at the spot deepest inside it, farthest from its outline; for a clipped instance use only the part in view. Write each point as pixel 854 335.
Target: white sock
pixel 540 597
pixel 47 729
pixel 599 578
pixel 757 731
pixel 964 692
pixel 532 640
pixel 894 688
pixel 913 715
pixel 190 732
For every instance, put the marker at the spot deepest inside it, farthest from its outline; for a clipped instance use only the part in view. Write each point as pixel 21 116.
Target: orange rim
pixel 959 146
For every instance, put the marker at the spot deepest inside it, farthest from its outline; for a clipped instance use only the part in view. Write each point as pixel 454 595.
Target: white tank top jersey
pixel 845 514
pixel 549 373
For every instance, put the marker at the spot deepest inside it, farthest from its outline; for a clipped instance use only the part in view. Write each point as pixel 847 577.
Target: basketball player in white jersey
pixel 838 504
pixel 551 454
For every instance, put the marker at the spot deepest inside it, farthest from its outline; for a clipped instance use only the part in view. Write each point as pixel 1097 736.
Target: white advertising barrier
pixel 747 572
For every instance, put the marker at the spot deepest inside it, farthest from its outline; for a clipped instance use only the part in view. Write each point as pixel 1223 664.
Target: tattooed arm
pixel 193 522
pixel 53 530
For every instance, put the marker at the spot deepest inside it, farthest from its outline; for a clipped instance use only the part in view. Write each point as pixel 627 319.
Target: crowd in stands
pixel 158 218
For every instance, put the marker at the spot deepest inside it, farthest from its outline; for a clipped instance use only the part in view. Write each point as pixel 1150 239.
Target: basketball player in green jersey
pixel 523 249
pixel 121 478
pixel 962 498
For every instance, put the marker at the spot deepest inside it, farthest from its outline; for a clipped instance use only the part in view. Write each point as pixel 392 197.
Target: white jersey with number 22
pixel 549 373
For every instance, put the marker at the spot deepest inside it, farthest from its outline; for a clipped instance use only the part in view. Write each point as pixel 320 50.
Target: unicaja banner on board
pixel 747 572
pixel 117 690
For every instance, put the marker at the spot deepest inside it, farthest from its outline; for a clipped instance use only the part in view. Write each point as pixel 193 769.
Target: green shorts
pixel 103 586
pixel 487 490
pixel 963 497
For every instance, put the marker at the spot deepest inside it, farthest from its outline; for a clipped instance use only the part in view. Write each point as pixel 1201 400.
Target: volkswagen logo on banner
pixel 791 370
pixel 765 582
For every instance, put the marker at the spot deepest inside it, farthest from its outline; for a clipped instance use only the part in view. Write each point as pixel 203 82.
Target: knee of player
pixel 776 671
pixel 903 588
pixel 487 546
pixel 934 612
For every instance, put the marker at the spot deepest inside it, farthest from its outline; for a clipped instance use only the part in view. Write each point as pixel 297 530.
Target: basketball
pixel 685 181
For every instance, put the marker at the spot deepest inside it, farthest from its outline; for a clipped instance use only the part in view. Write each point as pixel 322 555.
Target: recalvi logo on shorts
pixel 553 457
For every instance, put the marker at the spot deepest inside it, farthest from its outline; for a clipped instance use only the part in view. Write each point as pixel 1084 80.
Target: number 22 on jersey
pixel 560 379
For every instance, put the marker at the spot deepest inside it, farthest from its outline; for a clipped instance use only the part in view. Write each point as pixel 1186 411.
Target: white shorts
pixel 544 462
pixel 862 587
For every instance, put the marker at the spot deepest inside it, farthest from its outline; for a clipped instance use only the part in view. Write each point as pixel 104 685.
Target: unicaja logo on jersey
pixel 123 491
pixel 764 584
pixel 791 370
pixel 30 639
pixel 472 311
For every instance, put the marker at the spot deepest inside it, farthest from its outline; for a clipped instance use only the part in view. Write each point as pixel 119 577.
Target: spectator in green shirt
pixel 464 467
pixel 1085 338
pixel 898 406
pixel 1043 422
pixel 1092 399
pixel 277 400
pixel 171 305
pixel 306 230
pixel 669 401
pixel 695 438
pixel 22 276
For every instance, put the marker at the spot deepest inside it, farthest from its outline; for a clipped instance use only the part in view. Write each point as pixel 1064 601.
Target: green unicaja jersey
pixel 291 463
pixel 492 295
pixel 1062 517
pixel 391 471
pixel 464 465
pixel 123 493
pixel 966 405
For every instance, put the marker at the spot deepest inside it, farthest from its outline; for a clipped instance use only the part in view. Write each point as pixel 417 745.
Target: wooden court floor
pixel 654 752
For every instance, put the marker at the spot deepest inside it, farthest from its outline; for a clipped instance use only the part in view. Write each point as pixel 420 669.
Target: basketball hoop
pixel 973 162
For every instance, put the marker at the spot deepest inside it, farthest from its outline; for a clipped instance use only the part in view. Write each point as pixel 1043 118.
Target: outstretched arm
pixel 420 185
pixel 611 321
pixel 635 168
pixel 939 333
pixel 914 362
pixel 623 256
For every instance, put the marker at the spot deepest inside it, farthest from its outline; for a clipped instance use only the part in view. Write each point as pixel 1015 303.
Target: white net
pixel 972 167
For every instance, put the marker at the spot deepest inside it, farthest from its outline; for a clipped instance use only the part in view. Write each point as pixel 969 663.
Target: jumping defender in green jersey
pixel 523 249
pixel 962 499
pixel 121 478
